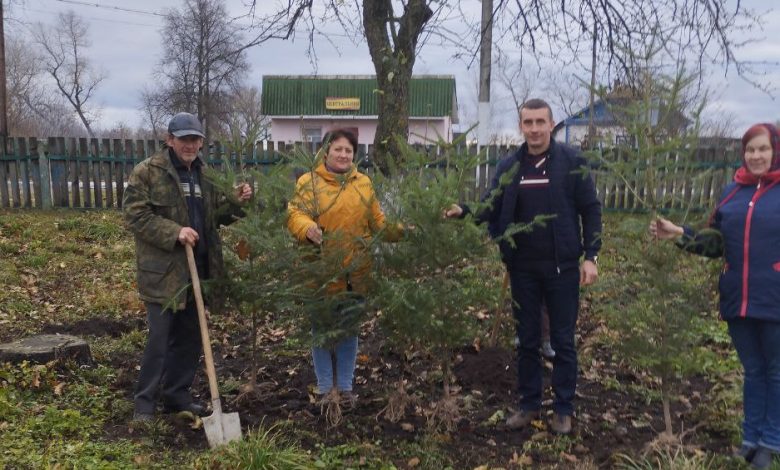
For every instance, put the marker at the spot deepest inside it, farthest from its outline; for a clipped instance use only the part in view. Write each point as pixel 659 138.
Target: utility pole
pixel 592 101
pixel 3 95
pixel 485 60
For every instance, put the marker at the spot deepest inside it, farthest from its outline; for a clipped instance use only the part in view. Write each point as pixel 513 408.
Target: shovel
pixel 220 428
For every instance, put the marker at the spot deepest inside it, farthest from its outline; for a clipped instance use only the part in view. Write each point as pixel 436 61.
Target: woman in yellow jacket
pixel 339 201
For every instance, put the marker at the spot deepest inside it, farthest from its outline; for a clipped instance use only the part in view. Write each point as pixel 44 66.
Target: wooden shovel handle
pixel 204 330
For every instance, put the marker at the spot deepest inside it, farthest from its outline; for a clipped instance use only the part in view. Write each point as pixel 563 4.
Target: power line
pixel 92 18
pixel 111 7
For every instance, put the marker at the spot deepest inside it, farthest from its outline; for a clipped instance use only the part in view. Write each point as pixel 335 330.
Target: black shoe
pixel 194 408
pixel 762 458
pixel 746 452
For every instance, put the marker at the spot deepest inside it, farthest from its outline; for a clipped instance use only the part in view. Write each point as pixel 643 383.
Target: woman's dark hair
pixel 334 134
pixel 764 129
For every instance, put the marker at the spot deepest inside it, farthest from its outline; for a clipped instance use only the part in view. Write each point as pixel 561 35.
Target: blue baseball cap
pixel 184 124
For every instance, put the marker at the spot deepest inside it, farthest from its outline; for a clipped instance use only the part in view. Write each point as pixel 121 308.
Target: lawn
pixel 73 272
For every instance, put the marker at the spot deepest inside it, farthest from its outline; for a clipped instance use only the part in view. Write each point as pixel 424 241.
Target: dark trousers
pixel 560 291
pixel 170 358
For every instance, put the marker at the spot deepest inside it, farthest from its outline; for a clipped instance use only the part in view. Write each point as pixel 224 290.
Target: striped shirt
pixel 534 199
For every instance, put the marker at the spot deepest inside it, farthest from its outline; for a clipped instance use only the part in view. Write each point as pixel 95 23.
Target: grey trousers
pixel 170 358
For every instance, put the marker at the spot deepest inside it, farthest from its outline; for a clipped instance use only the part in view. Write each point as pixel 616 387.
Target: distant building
pixel 573 130
pixel 304 108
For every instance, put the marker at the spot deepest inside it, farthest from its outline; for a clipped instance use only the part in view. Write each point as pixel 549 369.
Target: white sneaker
pixel 547 351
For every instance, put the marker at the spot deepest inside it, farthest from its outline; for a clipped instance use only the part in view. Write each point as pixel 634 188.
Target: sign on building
pixel 342 103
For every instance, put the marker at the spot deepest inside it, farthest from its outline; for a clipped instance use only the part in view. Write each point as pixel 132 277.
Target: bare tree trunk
pixel 3 97
pixel 84 120
pixel 666 402
pixel 392 43
pixel 63 48
pixel 485 62
pixel 499 315
pixel 253 374
pixel 667 417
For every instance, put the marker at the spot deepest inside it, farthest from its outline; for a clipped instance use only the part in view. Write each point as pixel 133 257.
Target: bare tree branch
pixel 63 45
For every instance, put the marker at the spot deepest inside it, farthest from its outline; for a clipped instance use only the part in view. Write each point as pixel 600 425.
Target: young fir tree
pixel 428 281
pixel 259 282
pixel 655 304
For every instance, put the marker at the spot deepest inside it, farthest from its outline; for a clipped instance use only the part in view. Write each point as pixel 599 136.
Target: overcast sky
pixel 127 46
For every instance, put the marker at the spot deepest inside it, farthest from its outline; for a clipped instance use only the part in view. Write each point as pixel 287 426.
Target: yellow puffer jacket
pixel 346 209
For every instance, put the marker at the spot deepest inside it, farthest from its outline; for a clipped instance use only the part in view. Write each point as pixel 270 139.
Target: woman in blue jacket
pixel 745 230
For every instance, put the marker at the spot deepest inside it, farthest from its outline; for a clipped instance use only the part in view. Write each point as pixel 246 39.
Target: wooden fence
pixel 91 173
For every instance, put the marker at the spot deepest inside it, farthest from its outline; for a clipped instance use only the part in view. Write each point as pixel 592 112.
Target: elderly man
pixel 169 204
pixel 548 263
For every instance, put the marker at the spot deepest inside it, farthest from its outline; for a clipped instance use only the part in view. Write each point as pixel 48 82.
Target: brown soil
pixel 93 327
pixel 607 421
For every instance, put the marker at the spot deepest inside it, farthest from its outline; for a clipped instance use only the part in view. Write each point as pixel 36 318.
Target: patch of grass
pixel 9 275
pixel 69 224
pixel 675 459
pixel 13 224
pixel 722 410
pixel 13 303
pixel 551 446
pixel 104 230
pixel 110 349
pixel 427 450
pixel 8 247
pixel 52 416
pixel 648 394
pixel 67 265
pixel 352 456
pixel 264 449
pixel 94 226
pixel 37 260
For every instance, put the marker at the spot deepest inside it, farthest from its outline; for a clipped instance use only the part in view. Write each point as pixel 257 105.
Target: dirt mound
pixel 91 327
pixel 493 371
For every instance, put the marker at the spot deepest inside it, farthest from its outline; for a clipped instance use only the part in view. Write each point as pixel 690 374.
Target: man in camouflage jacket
pixel 168 204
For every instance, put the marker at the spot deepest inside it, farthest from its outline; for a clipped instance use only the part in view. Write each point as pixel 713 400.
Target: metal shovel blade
pixel 221 428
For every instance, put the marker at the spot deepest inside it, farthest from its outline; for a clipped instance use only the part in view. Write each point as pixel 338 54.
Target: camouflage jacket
pixel 155 210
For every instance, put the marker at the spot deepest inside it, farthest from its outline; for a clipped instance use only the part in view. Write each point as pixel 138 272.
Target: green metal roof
pixel 429 95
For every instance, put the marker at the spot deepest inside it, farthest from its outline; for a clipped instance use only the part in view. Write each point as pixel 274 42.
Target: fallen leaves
pixel 242 249
pixel 568 457
pixel 496 418
pixel 523 460
pixel 363 359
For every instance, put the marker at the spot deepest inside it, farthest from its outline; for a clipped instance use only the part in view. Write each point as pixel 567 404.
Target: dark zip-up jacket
pixel 576 210
pixel 746 232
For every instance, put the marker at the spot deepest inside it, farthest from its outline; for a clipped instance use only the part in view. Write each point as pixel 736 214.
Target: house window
pixel 625 140
pixel 313 134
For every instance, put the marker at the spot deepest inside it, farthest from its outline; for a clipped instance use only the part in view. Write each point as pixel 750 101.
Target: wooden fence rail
pixel 91 173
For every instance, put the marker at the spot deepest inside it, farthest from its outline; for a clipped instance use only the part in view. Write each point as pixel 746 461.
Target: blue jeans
pixel 561 293
pixel 758 346
pixel 343 356
pixel 337 357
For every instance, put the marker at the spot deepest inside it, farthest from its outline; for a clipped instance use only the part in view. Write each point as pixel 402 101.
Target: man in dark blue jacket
pixel 544 185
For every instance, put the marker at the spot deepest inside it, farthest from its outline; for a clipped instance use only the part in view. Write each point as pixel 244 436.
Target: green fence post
pixel 45 176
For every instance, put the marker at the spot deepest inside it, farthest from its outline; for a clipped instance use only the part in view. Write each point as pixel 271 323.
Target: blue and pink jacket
pixel 748 236
pixel 746 232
